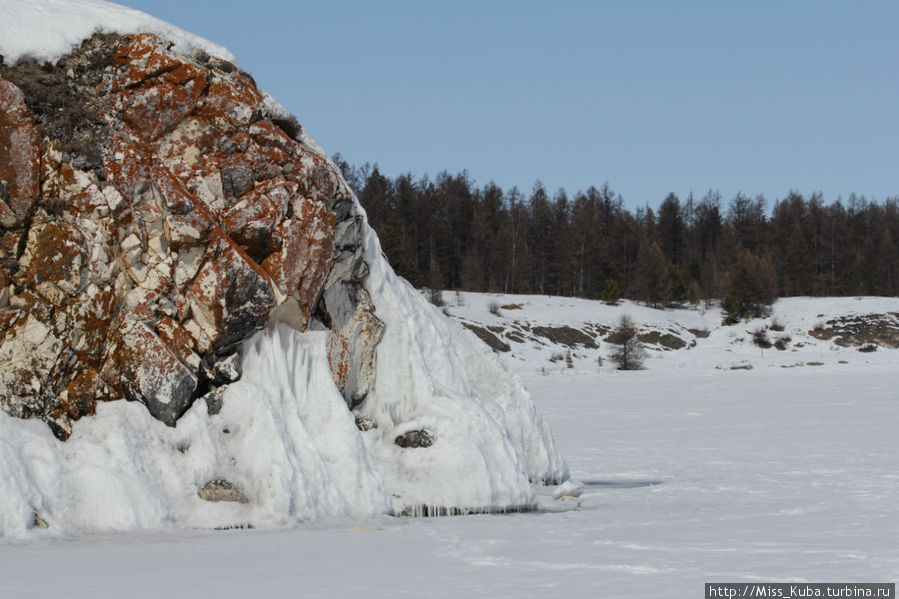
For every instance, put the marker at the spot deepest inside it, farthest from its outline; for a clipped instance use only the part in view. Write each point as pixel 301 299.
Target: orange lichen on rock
pixel 300 268
pixel 143 56
pixel 138 255
pixel 19 156
pixel 153 111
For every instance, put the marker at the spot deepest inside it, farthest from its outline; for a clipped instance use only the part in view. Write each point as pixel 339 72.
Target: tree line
pixel 449 233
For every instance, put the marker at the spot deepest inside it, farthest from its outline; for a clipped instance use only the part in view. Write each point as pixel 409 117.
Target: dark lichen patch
pixel 5 196
pixel 64 100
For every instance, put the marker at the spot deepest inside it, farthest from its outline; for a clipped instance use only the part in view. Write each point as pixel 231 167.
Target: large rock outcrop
pixel 155 211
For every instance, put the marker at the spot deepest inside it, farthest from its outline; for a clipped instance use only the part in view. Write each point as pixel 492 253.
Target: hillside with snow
pixel 537 334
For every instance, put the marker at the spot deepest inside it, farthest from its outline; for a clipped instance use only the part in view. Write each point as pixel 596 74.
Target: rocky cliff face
pixel 155 211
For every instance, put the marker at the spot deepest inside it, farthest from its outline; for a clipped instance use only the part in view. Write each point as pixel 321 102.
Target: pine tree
pixel 629 354
pixel 753 289
pixel 611 293
pixel 675 291
pixel 671 228
pixel 732 305
pixel 694 294
pixel 652 274
pixel 446 233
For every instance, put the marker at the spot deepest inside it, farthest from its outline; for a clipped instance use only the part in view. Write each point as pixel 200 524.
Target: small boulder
pixel 364 423
pixel 236 181
pixel 38 522
pixel 417 438
pixel 222 490
pixel 215 399
pixel 227 370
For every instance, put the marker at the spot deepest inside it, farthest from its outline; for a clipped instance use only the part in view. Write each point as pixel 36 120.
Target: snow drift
pixel 282 434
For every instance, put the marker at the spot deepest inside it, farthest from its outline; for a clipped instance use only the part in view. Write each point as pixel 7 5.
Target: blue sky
pixel 651 96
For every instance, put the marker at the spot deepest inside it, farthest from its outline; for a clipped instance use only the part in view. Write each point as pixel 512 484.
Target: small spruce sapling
pixel 611 292
pixel 629 353
pixel 694 294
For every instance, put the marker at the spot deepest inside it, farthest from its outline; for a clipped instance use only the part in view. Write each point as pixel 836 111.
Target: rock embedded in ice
pixel 417 438
pixel 227 370
pixel 214 400
pixel 39 522
pixel 364 423
pixel 222 490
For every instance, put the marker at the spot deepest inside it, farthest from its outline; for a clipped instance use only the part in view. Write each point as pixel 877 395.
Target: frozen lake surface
pixel 769 474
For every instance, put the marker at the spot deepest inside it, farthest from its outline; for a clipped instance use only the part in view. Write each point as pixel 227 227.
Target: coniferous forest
pixel 448 233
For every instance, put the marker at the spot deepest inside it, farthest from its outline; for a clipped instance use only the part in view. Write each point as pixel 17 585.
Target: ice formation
pixel 282 435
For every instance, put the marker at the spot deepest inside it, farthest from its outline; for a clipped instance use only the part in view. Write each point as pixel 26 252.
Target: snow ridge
pixel 45 30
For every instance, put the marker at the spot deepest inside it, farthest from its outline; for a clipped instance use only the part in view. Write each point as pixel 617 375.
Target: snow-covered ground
pixel 707 344
pixel 691 474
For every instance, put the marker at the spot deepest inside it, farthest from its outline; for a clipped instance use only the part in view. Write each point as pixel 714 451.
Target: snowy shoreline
pixel 770 474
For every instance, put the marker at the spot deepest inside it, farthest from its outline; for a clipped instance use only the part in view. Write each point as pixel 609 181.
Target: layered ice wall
pixel 282 435
pixel 434 374
pixel 285 438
